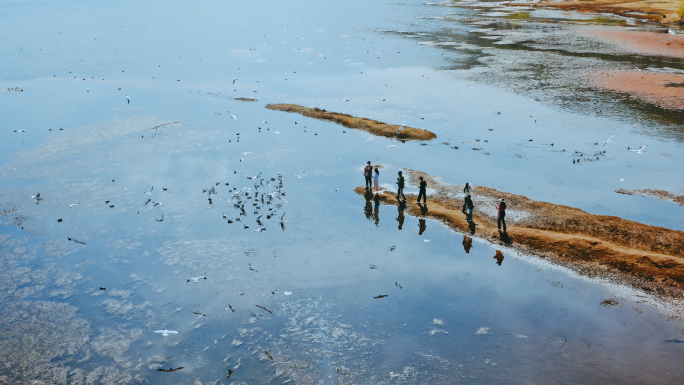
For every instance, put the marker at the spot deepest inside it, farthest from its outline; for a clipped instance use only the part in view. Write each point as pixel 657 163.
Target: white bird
pixel 73 205
pixel 246 153
pixel 266 122
pixel 635 124
pixel 638 69
pixel 426 240
pixel 166 332
pixel 639 151
pixel 608 141
pixel 234 79
pixel 400 128
pixel 287 292
pixel 260 229
pixel 197 278
pixel 276 132
pixel 128 98
pixel 391 145
pixel 300 175
pixel 368 140
pixel 88 90
pixel 232 116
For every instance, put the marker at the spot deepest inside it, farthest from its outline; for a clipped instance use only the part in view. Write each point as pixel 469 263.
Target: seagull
pixel 368 140
pixel 196 279
pixel 73 205
pixel 300 175
pixel 230 308
pixel 287 292
pixel 88 90
pixel 37 197
pixel 260 229
pixel 276 132
pixel 160 220
pixel 234 79
pixel 148 201
pixel 246 153
pixel 266 122
pixel 608 141
pixel 232 116
pixel 128 98
pixel 400 128
pixel 391 145
pixel 157 204
pixel 640 150
pixel 638 69
pixel 166 332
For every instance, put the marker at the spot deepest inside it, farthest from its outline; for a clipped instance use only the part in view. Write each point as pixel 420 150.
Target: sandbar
pixel 658 194
pixel 364 124
pixel 653 10
pixel 649 258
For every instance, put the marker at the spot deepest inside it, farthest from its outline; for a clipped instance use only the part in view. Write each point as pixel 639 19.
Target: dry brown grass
pixel 246 99
pixel 658 194
pixel 371 126
pixel 648 257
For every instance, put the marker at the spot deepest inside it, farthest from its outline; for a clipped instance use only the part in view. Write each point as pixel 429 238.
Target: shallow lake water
pixel 297 302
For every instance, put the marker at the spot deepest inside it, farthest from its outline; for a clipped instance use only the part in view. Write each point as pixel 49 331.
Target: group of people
pixel 468 206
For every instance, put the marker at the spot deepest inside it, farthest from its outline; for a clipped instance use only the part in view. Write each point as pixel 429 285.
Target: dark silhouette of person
pixel 499 257
pixel 471 226
pixel 467 243
pixel 400 187
pixel 421 191
pixel 502 214
pixel 466 192
pixel 421 226
pixel 368 174
pixel 400 208
pixel 470 206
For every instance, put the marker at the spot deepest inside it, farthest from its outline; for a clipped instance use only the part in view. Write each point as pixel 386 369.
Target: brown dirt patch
pixel 648 257
pixel 649 87
pixel 658 194
pixel 642 9
pixel 640 42
pixel 246 99
pixel 364 124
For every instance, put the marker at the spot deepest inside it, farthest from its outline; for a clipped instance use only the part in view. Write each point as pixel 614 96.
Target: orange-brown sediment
pixel 648 257
pixel 658 194
pixel 245 99
pixel 664 90
pixel 640 42
pixel 371 126
pixel 642 9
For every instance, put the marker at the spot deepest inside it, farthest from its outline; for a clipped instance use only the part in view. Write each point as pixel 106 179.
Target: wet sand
pixel 640 42
pixel 664 90
pixel 646 257
pixel 658 194
pixel 653 10
pixel 364 124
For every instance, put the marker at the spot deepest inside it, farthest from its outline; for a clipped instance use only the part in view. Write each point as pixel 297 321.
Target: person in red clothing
pixel 502 214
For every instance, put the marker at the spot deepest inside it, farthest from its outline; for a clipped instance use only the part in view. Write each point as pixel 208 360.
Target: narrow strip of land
pixel 368 125
pixel 658 194
pixel 648 257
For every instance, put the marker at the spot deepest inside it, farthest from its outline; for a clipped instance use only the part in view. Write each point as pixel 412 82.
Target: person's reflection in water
pixel 423 209
pixel 421 226
pixel 369 204
pixel 401 207
pixel 499 257
pixel 376 210
pixel 467 243
pixel 471 226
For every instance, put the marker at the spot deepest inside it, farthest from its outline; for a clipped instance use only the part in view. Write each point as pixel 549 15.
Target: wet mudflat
pixel 294 297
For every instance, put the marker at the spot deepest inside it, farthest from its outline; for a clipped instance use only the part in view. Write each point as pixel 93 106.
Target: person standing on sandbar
pixel 400 187
pixel 421 191
pixel 368 173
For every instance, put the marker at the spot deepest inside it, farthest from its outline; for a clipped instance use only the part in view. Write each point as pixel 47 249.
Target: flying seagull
pixel 196 279
pixel 166 332
pixel 232 116
pixel 368 140
pixel 640 150
pixel 128 98
pixel 608 141
pixel 400 129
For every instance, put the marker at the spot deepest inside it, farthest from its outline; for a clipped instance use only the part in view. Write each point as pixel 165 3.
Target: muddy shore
pixel 660 11
pixel 657 194
pixel 364 124
pixel 649 258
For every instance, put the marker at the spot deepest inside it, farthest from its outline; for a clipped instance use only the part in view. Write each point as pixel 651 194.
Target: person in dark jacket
pixel 469 204
pixel 502 214
pixel 400 186
pixel 368 173
pixel 421 191
pixel 466 192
